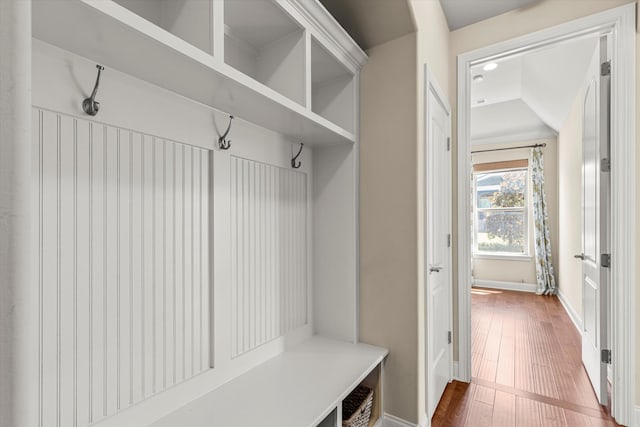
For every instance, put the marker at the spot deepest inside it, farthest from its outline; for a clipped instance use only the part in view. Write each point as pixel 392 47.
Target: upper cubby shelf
pixel 264 43
pixel 332 88
pixel 172 44
pixel 190 20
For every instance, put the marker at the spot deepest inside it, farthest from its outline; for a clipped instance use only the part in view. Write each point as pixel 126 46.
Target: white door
pixel 438 243
pixel 595 225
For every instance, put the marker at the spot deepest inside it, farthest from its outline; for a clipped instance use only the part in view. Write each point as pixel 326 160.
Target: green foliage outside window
pixel 501 215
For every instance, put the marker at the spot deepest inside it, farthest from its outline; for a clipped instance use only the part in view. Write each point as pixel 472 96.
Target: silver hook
pixel 294 163
pixel 90 105
pixel 223 143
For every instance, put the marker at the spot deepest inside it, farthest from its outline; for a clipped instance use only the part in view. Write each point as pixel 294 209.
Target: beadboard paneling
pixel 268 253
pixel 123 260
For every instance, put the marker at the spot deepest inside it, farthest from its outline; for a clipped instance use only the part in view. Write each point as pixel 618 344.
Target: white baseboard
pixel 636 416
pixel 456 371
pixel 573 314
pixel 505 286
pixel 392 421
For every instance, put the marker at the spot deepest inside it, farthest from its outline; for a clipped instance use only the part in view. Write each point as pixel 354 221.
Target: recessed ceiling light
pixel 478 78
pixel 481 101
pixel 490 66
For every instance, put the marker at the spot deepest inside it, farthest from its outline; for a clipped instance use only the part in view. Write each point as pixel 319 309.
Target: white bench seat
pixel 297 388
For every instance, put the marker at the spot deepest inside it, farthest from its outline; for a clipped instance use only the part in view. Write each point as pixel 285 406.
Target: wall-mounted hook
pixel 223 142
pixel 90 105
pixel 294 162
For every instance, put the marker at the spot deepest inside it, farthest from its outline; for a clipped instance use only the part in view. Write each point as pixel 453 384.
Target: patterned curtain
pixel 546 282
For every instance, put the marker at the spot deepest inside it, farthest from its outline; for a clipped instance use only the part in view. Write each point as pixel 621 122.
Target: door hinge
pixel 606 356
pixel 605 260
pixel 449 337
pixel 448 240
pixel 605 165
pixel 448 143
pixel 605 69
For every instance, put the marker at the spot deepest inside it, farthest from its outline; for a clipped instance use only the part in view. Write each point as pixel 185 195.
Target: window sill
pixel 523 258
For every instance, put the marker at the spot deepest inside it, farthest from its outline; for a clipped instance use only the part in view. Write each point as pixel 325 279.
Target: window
pixel 500 212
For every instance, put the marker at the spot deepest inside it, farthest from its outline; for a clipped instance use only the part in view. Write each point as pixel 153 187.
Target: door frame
pixel 431 85
pixel 620 22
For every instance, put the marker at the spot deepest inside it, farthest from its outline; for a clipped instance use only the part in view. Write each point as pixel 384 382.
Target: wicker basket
pixel 356 408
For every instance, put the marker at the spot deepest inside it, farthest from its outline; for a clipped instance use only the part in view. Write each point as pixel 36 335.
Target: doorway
pixel 620 24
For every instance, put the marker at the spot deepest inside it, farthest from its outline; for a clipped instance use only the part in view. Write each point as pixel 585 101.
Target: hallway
pixel 526 367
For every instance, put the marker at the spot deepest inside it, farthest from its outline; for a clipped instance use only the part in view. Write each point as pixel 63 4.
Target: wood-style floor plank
pixel 504 409
pixel 526 367
pixel 527 413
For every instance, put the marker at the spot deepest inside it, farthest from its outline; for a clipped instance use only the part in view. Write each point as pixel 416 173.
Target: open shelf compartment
pixel 266 45
pixel 373 381
pixel 332 88
pixel 190 20
pixel 330 420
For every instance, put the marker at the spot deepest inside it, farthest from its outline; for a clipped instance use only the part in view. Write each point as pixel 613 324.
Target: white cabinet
pixel 249 82
pixel 174 274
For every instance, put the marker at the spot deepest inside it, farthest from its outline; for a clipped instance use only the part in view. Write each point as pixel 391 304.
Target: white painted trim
pixel 356 219
pixel 19 284
pixel 323 24
pixel 620 22
pixel 523 258
pixel 637 417
pixel 623 206
pixel 515 137
pixel 393 421
pixel 455 371
pixel 573 314
pixel 506 286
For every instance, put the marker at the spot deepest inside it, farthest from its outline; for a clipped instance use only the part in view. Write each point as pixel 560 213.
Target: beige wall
pixel 432 50
pixel 388 210
pixel 391 200
pixel 522 271
pixel 433 40
pixel 544 14
pixel 569 184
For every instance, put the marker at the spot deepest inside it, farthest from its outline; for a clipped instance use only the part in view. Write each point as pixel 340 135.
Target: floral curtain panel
pixel 546 282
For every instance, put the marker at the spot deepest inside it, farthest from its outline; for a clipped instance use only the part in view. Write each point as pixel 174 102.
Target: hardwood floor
pixel 526 368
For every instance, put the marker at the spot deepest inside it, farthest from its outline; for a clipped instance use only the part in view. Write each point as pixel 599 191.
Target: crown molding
pixel 328 31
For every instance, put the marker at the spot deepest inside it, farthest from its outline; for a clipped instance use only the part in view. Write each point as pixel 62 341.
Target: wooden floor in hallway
pixel 526 368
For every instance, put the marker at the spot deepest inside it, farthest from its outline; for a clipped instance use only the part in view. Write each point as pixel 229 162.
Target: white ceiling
pixel 502 84
pixel 552 78
pixel 461 13
pixel 545 81
pixel 506 122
